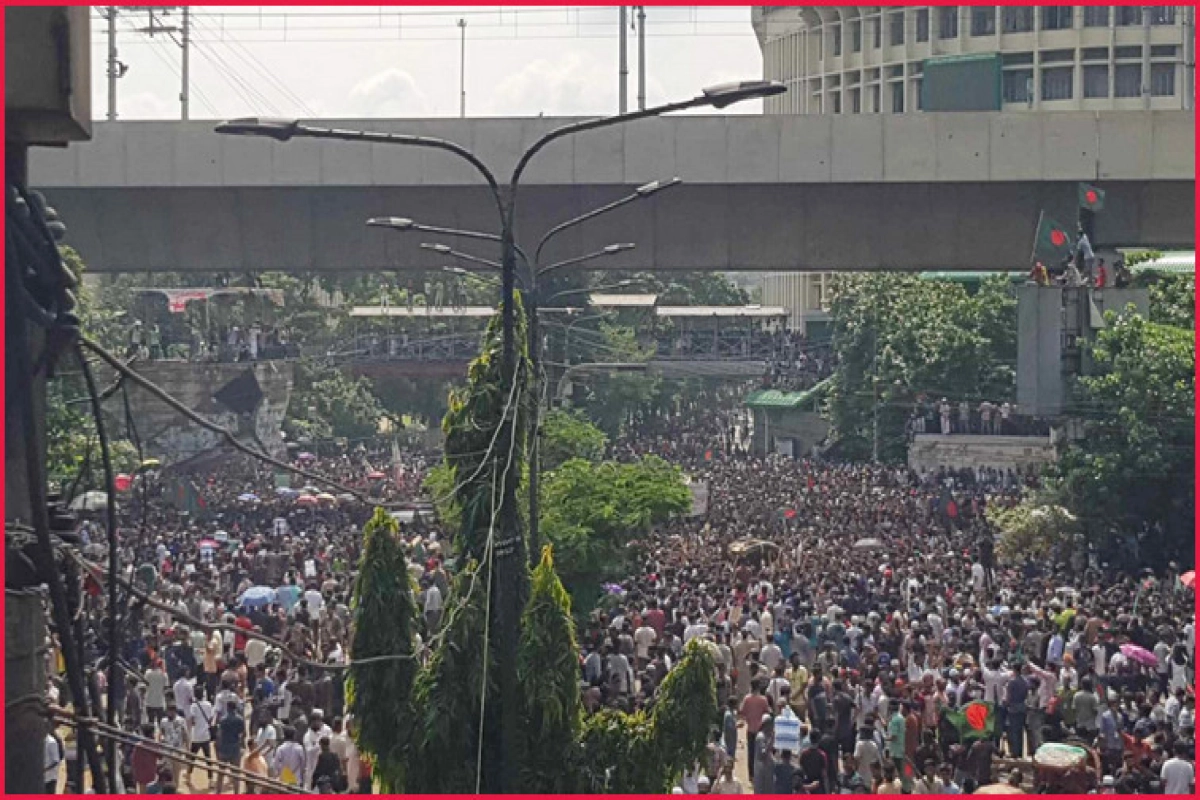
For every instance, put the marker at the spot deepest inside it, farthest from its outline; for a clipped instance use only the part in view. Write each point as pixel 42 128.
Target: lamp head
pixel 281 130
pixel 654 186
pixel 617 248
pixel 398 223
pixel 726 94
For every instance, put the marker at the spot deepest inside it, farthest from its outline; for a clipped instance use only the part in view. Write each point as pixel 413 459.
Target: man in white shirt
pixel 316 603
pixel 1178 775
pixel 54 757
pixel 643 638
pixel 433 607
pixel 256 651
pixel 317 730
pixel 183 691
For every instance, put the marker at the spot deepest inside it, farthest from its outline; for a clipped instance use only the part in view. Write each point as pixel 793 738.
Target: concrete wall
pixel 932 451
pixel 805 428
pixel 170 437
pixel 920 191
pixel 1046 316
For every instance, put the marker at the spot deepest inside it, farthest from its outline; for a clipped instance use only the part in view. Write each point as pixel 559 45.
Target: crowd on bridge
pixel 963 417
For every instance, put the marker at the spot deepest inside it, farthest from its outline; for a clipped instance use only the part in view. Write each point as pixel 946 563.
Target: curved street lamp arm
pixel 592 124
pixel 557 229
pixel 578 259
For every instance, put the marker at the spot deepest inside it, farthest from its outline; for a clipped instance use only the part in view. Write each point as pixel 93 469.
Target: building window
pixel 948 20
pixel 1056 18
pixel 1128 80
pixel 1056 83
pixel 1095 80
pixel 1018 84
pixel 1127 52
pixel 856 101
pixel 1162 80
pixel 877 30
pixel 1129 15
pixel 1094 54
pixel 1095 16
pixel 1163 50
pixel 1162 15
pixel 1017 59
pixel 897 98
pixel 1017 20
pixel 875 107
pixel 836 103
pixel 1057 56
pixel 983 21
pixel 856 36
pixel 922 24
pixel 835 36
pixel 896 35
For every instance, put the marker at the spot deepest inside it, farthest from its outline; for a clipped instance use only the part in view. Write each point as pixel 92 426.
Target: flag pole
pixel 1036 231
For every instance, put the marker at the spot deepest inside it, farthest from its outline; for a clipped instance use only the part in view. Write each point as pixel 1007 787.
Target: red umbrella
pixel 122 482
pixel 306 500
pixel 1188 579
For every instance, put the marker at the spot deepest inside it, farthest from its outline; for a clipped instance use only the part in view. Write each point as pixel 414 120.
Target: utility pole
pixel 184 45
pixel 113 68
pixel 641 25
pixel 462 69
pixel 623 68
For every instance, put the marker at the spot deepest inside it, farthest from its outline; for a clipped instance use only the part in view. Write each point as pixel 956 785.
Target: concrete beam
pixel 917 191
pixel 915 226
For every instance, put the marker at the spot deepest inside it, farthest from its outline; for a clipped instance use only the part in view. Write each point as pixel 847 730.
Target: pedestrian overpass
pixel 922 191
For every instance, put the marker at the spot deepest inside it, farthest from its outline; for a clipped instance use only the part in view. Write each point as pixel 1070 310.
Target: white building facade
pixel 871 60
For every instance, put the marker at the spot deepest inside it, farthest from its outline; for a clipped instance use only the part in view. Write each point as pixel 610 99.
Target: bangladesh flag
pixel 1091 197
pixel 976 720
pixel 1052 239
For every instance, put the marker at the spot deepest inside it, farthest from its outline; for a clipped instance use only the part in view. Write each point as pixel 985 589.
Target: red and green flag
pixel 976 720
pixel 1091 197
pixel 1052 240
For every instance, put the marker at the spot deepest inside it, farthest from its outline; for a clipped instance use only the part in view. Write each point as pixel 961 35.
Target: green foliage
pixel 898 338
pixel 548 671
pixel 327 402
pixel 615 395
pixel 567 435
pixel 1133 466
pixel 702 289
pixel 1032 530
pixel 448 693
pixel 478 446
pixel 643 754
pixel 591 511
pixel 379 694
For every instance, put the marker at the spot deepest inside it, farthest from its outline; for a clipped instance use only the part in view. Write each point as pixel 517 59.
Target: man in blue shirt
pixel 1016 692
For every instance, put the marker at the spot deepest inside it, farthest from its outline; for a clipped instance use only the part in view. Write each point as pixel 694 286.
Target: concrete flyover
pixel 906 192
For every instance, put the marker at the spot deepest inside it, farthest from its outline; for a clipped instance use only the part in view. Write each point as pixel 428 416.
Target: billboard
pixel 962 83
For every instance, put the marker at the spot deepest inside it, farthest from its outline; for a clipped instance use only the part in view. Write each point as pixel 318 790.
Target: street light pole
pixel 509 571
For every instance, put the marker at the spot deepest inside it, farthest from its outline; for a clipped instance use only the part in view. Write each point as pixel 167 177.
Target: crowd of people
pixel 258 561
pixel 964 417
pixel 866 607
pixel 855 609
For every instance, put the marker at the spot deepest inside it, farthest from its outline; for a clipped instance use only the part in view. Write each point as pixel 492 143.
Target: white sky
pixel 389 61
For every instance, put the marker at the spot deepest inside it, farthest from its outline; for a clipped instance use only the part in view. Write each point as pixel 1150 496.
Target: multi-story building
pixel 872 59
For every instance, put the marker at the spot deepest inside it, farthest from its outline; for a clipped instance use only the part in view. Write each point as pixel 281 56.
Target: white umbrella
pixel 867 544
pixel 90 501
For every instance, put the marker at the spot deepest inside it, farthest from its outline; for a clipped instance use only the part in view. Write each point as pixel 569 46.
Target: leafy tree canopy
pixel 567 435
pixel 898 338
pixel 1132 469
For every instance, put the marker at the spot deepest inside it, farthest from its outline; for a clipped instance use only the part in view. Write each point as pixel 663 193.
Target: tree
pixel 566 435
pixel 1131 472
pixel 1034 529
pixel 590 512
pixel 548 669
pixel 898 338
pixel 326 403
pixel 379 693
pixel 643 753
